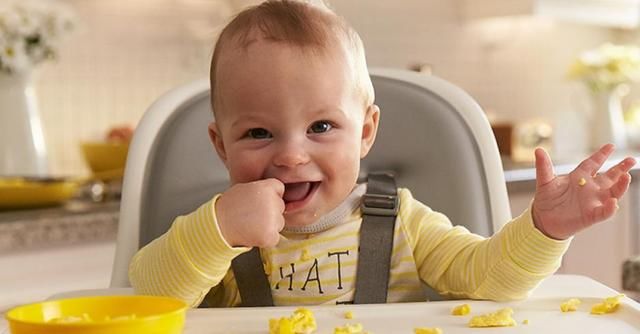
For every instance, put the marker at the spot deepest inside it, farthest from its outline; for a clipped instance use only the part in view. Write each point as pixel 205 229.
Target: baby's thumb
pixel 544 167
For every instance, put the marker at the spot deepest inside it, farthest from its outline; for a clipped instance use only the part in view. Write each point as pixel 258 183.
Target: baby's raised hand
pixel 251 214
pixel 564 205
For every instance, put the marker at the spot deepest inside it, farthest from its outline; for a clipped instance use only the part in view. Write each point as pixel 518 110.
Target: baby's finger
pixel 276 185
pixel 620 168
pixel 621 186
pixel 592 164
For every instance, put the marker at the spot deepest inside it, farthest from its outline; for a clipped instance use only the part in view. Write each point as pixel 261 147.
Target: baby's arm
pixel 460 264
pixel 187 261
pixel 513 261
pixel 196 252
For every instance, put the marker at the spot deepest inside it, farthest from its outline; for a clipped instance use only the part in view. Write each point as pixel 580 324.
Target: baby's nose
pixel 290 155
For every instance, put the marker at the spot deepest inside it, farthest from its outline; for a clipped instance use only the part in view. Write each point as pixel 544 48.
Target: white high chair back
pixel 432 134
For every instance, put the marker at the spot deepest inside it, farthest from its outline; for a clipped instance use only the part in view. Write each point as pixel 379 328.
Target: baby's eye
pixel 320 127
pixel 258 133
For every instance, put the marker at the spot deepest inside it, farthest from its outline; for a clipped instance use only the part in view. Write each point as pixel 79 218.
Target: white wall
pixel 126 53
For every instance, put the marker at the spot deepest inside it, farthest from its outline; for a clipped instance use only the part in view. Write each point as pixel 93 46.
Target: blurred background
pixel 513 61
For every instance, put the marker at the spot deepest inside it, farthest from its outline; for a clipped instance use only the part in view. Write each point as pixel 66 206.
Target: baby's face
pixel 295 116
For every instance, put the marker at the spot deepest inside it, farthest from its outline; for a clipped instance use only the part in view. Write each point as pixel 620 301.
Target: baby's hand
pixel 251 214
pixel 564 205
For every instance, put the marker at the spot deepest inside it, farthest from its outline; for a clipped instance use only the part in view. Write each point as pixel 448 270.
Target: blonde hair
pixel 299 24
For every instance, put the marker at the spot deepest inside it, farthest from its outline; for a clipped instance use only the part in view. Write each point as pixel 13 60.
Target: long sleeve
pixel 459 264
pixel 186 261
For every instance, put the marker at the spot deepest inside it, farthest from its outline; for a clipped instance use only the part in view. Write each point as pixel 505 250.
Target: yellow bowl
pixel 19 193
pixel 100 315
pixel 106 159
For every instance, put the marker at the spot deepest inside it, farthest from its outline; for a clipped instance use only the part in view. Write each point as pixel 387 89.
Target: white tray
pixel 543 314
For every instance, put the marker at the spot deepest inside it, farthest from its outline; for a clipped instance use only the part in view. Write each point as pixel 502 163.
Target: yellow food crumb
pixel 463 309
pixel 525 321
pixel 426 330
pixel 582 182
pixel 500 318
pixel 349 329
pixel 570 305
pixel 608 305
pixel 348 315
pixel 267 267
pixel 301 321
pixel 305 255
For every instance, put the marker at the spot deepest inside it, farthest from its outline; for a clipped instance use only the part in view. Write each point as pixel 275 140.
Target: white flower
pixel 607 66
pixel 13 55
pixel 30 32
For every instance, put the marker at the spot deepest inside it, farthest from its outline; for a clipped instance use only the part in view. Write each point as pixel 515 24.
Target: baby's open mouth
pixel 298 191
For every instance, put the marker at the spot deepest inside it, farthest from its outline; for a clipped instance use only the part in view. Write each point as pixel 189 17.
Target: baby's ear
pixel 369 129
pixel 216 140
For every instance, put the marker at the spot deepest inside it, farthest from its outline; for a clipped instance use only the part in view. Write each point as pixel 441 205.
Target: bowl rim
pixel 12 318
pixel 103 143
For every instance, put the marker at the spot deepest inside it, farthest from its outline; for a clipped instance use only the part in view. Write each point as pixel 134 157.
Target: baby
pixel 294 115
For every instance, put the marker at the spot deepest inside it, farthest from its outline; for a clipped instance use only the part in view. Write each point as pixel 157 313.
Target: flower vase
pixel 607 123
pixel 22 146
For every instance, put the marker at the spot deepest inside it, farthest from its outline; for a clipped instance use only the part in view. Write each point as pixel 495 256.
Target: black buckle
pixel 380 205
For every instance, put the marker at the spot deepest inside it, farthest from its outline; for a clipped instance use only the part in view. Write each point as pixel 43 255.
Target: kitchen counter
pixel 77 221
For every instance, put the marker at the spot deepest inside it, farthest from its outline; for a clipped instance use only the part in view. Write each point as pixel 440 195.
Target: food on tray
pixel 608 305
pixel 350 329
pixel 301 321
pixel 348 315
pixel 525 321
pixel 426 330
pixel 570 305
pixel 463 309
pixel 500 318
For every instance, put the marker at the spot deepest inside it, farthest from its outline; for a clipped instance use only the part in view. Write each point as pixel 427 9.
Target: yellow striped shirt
pixel 192 260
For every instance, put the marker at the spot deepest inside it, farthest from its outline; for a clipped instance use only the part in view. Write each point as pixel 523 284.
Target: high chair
pixel 432 135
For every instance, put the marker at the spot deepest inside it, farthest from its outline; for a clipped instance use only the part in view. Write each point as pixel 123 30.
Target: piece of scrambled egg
pixel 301 321
pixel 608 305
pixel 570 305
pixel 427 330
pixel 500 318
pixel 463 309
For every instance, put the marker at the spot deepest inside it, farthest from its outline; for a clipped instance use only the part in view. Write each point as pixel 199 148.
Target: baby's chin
pixel 300 219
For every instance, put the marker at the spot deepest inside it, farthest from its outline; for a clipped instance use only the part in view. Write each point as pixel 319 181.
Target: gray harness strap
pixel 253 283
pixel 379 209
